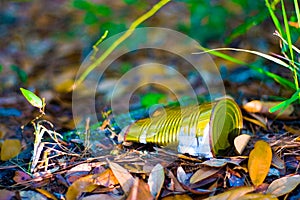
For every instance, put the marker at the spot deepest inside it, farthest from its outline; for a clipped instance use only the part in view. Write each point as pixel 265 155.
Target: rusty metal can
pixel 201 130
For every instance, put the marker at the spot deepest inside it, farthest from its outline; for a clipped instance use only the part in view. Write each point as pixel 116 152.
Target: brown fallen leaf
pixel 284 185
pixel 156 180
pixel 91 182
pixel 233 194
pixel 258 196
pixel 259 162
pixel 21 177
pixel 202 174
pixel 263 107
pixel 10 149
pixel 106 178
pixel 125 179
pixel 175 185
pixel 84 184
pixel 6 194
pixel 140 190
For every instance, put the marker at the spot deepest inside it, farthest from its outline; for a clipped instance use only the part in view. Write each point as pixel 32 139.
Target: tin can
pixel 202 130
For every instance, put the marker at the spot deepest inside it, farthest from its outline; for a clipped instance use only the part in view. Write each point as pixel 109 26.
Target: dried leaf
pixel 259 163
pixel 84 184
pixel 156 180
pixel 6 194
pixel 240 143
pixel 181 175
pixel 234 194
pixel 106 178
pixel 258 121
pixel 258 196
pixel 175 185
pixel 10 148
pixel 21 176
pixel 202 174
pixel 219 162
pixel 101 196
pixel 140 190
pixel 123 176
pixel 284 185
pixel 32 98
pixel 178 197
pixel 256 106
pixel 46 194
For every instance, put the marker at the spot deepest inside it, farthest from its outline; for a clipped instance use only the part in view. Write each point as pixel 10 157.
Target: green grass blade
pixel 287 30
pixel 283 105
pixel 263 55
pixel 274 18
pixel 128 33
pixel 244 27
pixel 284 82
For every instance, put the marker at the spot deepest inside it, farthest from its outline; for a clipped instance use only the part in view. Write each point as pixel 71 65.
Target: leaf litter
pixel 65 167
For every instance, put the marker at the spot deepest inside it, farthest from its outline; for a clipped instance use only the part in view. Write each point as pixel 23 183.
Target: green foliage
pixel 209 20
pixel 32 98
pixel 20 73
pixel 247 25
pixel 1 68
pixel 130 2
pixel 150 99
pixel 289 51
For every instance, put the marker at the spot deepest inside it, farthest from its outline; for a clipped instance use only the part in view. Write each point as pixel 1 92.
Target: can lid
pixel 225 124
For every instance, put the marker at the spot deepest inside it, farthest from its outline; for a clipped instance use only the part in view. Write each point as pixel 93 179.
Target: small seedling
pixel 39 129
pixel 34 100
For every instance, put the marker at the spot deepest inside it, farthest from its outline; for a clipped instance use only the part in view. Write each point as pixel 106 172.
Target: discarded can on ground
pixel 202 130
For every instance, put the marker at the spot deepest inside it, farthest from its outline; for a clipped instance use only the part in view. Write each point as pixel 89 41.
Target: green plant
pixel 122 38
pixel 39 128
pixel 289 51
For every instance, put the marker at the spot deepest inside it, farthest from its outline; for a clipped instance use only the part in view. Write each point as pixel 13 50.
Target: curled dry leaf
pixel 202 174
pixel 259 163
pixel 240 143
pixel 10 148
pixel 233 194
pixel 156 180
pixel 284 185
pixel 125 179
pixel 262 107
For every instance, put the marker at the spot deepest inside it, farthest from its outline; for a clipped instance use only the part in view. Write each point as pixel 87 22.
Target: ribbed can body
pixel 190 127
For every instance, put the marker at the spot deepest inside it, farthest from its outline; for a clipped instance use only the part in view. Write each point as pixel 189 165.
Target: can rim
pixel 238 124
